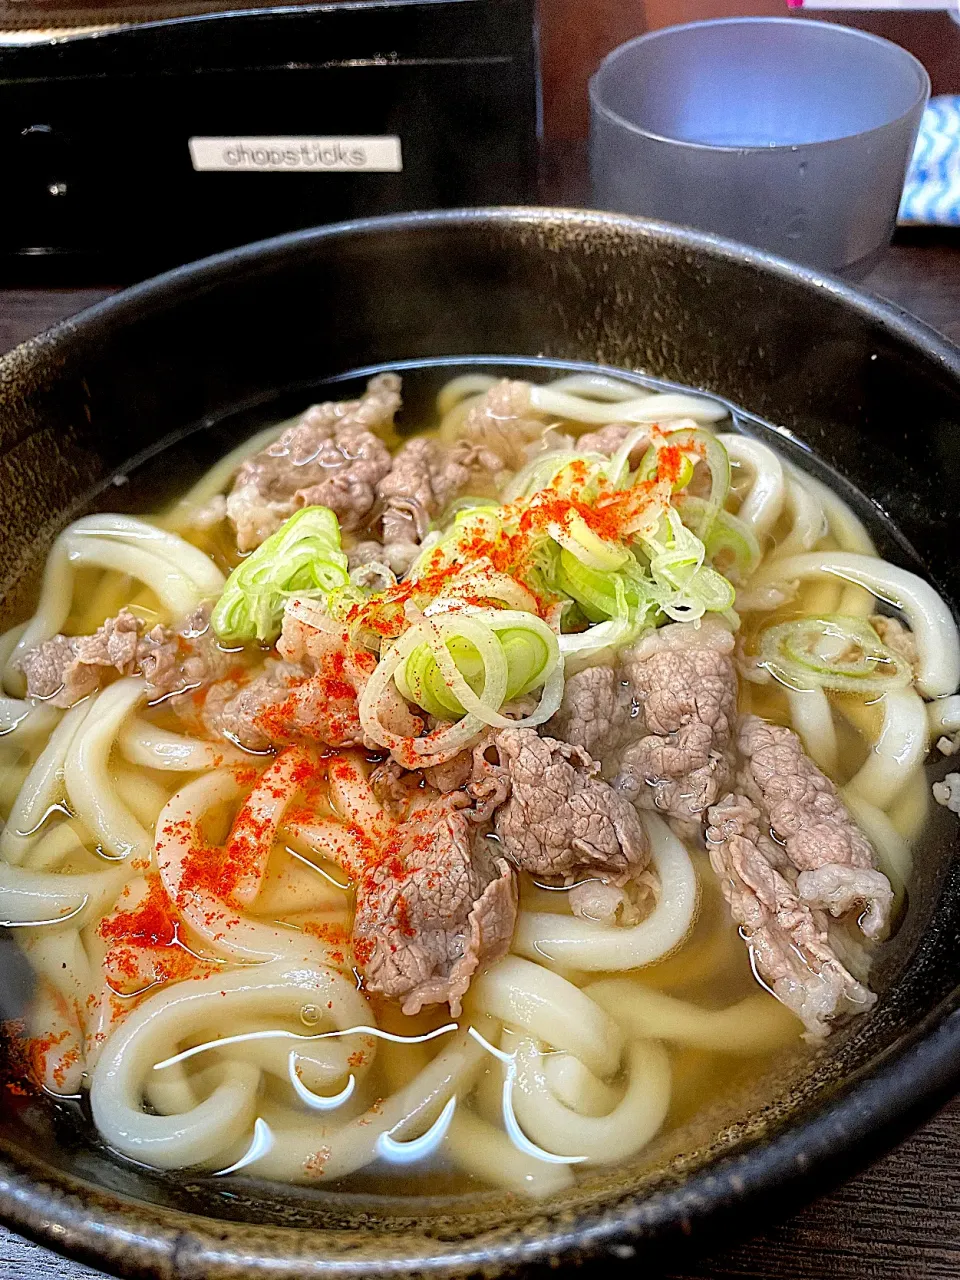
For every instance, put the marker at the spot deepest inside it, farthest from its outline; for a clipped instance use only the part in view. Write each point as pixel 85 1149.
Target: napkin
pixel 931 195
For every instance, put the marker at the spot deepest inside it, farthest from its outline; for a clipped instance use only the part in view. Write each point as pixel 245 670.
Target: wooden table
pixel 900 1219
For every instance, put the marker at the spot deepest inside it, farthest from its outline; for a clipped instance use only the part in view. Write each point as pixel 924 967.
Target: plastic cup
pixel 788 134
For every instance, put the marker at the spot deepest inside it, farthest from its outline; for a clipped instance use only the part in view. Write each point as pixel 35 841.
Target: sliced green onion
pixel 527 657
pixel 834 652
pixel 649 462
pixel 420 681
pixel 303 557
pixel 576 536
pixel 731 545
pixel 465 505
pixel 594 592
pixel 690 587
pixel 617 469
pixel 702 444
pixel 526 645
pixel 546 472
pixel 597 592
pixel 441 549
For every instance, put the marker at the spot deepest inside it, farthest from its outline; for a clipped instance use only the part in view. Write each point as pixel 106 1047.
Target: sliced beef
pixel 789 938
pixel 330 457
pixel 310 695
pixel 471 780
pixel 687 698
pixel 396 556
pixel 502 427
pixel 426 475
pixel 433 908
pixel 806 814
pixel 790 859
pixel 180 662
pixel 660 720
pixel 561 821
pixel 842 890
pixel 64 669
pixel 898 638
pixel 240 710
pixel 284 703
pixel 615 905
pixel 598 712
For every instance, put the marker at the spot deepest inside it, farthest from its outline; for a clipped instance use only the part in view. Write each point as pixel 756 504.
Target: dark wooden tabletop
pixel 900 1218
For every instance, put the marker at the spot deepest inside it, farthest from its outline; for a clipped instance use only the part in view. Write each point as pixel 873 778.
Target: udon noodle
pixel 386 805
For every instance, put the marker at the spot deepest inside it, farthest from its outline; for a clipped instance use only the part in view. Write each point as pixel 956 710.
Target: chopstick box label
pixel 296 155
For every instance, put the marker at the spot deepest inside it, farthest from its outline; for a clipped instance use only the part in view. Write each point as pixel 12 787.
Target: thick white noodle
pixel 8 641
pixel 51 1021
pixel 54 845
pixel 53 609
pixel 930 619
pixel 487 1153
pixel 577 1087
pixel 592 947
pixel 911 808
pixel 58 955
pixel 943 716
pixel 178 573
pixel 86 772
pixel 214 481
pixel 166 546
pixel 170 1091
pixel 319 1065
pixel 155 1030
pixel 458 389
pixel 23 719
pixel 897 753
pixel 226 931
pixel 296 887
pixel 145 744
pixel 764 501
pixel 527 996
pixel 849 532
pixel 812 719
pixel 42 789
pixel 894 856
pixel 808 521
pixel 757 1024
pixel 28 897
pixel 177 592
pixel 12 778
pixel 142 795
pixel 305 1151
pixel 646 407
pixel 174 1141
pixel 600 386
pixel 630 1125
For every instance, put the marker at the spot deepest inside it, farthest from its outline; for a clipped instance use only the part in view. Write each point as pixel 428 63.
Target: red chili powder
pixel 150 924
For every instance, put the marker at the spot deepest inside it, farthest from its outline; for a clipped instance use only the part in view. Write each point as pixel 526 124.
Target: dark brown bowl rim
pixel 878 1104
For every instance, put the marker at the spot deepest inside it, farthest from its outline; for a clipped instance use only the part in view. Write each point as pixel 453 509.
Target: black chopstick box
pixel 135 148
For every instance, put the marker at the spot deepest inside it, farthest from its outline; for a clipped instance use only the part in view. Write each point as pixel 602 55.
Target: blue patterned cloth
pixel 931 195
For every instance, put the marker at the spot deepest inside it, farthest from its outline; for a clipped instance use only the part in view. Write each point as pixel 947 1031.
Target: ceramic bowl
pixel 872 393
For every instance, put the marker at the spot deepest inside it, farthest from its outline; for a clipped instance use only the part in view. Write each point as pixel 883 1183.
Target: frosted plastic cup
pixel 789 134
